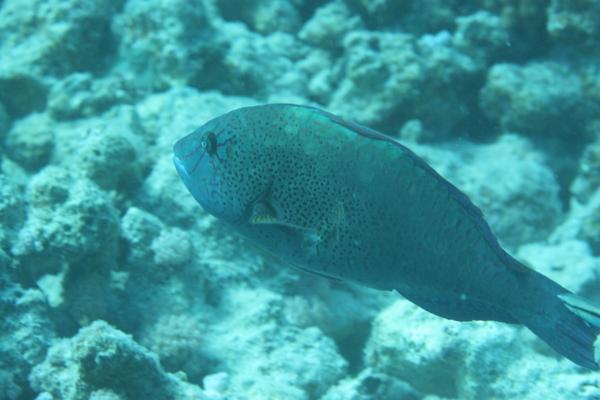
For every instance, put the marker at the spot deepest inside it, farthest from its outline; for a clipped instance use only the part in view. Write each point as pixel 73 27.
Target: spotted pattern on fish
pixel 343 201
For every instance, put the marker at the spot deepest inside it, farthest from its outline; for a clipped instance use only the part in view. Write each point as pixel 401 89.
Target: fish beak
pixel 180 167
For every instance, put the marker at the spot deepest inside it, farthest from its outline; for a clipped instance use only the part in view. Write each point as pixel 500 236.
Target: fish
pixel 345 202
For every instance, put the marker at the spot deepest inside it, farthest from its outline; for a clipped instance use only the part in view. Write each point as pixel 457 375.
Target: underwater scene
pixel 299 199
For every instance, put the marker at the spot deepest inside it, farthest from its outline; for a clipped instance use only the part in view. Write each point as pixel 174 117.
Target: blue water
pixel 116 284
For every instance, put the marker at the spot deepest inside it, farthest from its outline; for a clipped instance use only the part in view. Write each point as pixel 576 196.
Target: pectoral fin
pixel 263 214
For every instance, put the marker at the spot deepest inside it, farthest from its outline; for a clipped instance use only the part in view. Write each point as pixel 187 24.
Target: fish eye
pixel 209 143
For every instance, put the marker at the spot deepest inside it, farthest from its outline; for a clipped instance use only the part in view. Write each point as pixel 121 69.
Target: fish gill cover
pixel 115 284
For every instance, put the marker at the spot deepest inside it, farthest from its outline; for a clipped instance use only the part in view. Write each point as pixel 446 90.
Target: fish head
pixel 198 159
pixel 218 164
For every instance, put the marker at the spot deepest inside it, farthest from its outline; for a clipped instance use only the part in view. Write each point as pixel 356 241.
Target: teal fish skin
pixel 343 201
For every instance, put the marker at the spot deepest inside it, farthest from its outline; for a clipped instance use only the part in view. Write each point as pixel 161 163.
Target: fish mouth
pixel 180 167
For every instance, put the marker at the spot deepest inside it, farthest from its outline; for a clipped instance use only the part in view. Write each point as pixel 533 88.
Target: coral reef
pixel 12 211
pixel 329 24
pixel 21 93
pixel 469 360
pixel 264 16
pixel 291 362
pixel 115 284
pixel 587 181
pixel 370 385
pixel 574 21
pixel 570 262
pixel 69 220
pixel 100 360
pixel 426 78
pixel 54 38
pixel 81 95
pixel 166 43
pixel 538 98
pixel 30 142
pixel 4 121
pixel 482 36
pixel 27 331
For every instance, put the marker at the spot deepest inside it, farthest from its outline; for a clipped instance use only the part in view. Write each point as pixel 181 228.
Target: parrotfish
pixel 345 202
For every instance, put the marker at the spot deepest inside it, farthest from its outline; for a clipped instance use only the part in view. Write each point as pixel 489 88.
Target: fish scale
pixel 340 200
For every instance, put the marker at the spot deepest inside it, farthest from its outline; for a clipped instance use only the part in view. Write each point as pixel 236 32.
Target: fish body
pixel 346 202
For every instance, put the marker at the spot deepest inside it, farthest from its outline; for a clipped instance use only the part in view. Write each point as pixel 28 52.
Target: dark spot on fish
pixel 209 143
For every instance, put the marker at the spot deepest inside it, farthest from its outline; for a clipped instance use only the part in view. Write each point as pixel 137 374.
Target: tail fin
pixel 569 324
